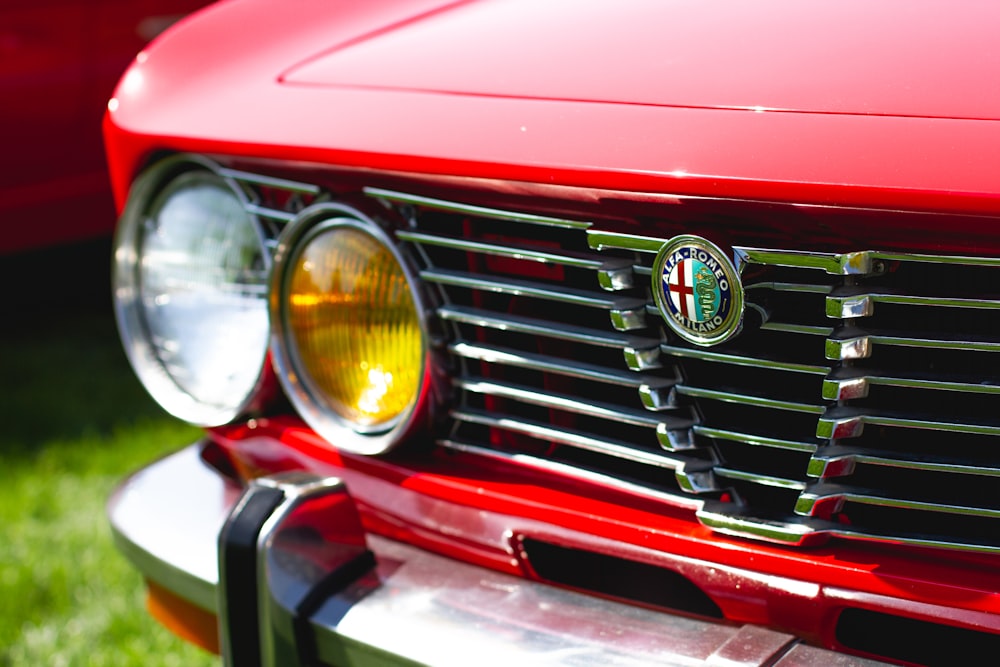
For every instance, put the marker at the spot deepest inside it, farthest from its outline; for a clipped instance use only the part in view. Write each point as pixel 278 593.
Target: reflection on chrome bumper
pixel 412 607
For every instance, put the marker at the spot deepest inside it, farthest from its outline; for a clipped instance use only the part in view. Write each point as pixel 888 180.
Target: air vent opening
pixel 617 578
pixel 912 641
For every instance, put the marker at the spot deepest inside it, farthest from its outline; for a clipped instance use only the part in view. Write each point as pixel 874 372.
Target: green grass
pixel 73 422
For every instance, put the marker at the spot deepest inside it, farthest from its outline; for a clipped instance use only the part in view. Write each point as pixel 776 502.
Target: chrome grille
pixel 857 401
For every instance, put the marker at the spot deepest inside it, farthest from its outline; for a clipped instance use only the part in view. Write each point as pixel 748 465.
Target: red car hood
pixel 899 58
pixel 888 104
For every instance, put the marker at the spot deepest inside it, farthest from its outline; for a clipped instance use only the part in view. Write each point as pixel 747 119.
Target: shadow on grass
pixel 64 373
pixel 74 421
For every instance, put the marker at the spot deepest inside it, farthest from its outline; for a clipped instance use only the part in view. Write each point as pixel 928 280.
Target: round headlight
pixel 190 284
pixel 350 342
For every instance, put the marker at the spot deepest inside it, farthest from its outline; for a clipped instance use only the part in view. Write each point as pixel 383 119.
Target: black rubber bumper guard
pixel 279 560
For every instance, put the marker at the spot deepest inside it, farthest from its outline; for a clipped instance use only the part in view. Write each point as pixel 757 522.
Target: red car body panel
pixel 59 62
pixel 605 110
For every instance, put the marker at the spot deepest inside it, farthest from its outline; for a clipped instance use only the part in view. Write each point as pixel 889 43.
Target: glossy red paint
pixel 59 62
pixel 855 156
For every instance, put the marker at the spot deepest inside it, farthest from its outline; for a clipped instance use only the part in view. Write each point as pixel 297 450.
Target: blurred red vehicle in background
pixel 59 62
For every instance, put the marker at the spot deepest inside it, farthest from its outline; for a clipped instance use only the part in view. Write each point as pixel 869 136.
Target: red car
pixel 567 333
pixel 59 61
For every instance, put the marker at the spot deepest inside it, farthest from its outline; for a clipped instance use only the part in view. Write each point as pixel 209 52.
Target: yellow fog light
pixel 349 337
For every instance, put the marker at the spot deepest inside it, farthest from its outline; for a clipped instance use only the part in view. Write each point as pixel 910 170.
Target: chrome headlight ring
pixel 190 275
pixel 357 367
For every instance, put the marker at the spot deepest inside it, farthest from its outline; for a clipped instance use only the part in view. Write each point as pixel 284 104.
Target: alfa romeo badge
pixel 698 290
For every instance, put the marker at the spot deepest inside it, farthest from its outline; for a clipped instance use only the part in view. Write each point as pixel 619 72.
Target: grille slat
pixel 578 260
pixel 936 343
pixel 531 289
pixel 765 480
pixel 754 440
pixel 849 423
pixel 787 327
pixel 748 399
pixel 550 364
pixel 391 196
pixel 539 327
pixel 613 413
pixel 744 359
pixel 861 303
pixel 542 431
pixel 943 382
pixel 816 499
pixel 838 460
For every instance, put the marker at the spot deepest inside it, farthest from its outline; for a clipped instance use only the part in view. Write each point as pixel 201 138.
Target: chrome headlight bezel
pixel 302 391
pixel 156 183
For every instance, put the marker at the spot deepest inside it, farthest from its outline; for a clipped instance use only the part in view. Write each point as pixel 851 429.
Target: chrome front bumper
pixel 291 596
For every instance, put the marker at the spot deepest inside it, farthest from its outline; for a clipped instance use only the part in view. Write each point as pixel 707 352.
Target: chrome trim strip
pixel 484 318
pixel 940 343
pixel 785 532
pixel 843 386
pixel 862 304
pixel 270 213
pixel 797 328
pixel 562 469
pixel 621 450
pixel 797 534
pixel 847 264
pixel 814 499
pixel 469 209
pixel 746 399
pixel 755 440
pixel 530 289
pixel 270 181
pixel 833 424
pixel 599 240
pixel 566 403
pixel 615 277
pixel 803 288
pixel 629 320
pixel 513 252
pixel 836 461
pixel 763 480
pixel 944 385
pixel 741 360
pixel 938 259
pixel 550 364
pixel 860 347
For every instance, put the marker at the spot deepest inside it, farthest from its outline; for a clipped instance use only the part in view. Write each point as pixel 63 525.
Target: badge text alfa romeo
pixel 698 290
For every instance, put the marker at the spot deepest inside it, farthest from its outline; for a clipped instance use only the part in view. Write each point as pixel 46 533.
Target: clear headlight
pixel 190 285
pixel 350 342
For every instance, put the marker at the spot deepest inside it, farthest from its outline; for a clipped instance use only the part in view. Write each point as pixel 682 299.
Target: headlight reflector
pixel 191 294
pixel 350 335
